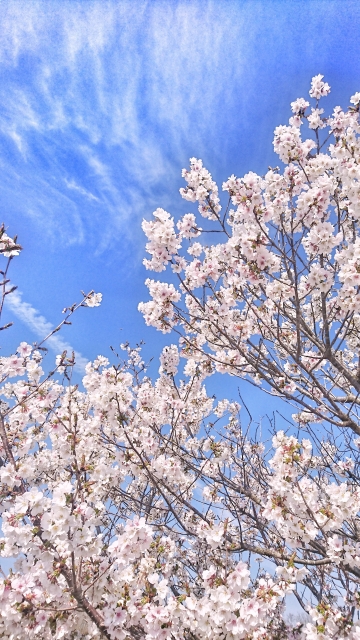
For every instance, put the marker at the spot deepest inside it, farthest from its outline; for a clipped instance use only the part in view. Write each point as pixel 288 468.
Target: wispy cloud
pixel 102 98
pixel 71 184
pixel 115 96
pixel 32 318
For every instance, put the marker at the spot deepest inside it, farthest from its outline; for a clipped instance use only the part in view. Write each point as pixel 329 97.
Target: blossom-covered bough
pixel 279 299
pixel 138 508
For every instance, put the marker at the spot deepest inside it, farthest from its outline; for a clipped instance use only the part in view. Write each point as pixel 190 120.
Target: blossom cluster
pixel 100 510
pixel 273 295
pixel 134 507
pixel 88 556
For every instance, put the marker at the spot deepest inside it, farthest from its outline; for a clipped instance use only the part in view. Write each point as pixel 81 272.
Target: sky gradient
pixel 103 103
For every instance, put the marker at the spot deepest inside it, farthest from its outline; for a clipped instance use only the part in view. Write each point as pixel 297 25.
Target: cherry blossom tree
pixel 276 299
pixel 140 508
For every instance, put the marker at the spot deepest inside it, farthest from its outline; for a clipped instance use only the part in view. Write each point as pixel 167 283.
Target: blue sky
pixel 103 103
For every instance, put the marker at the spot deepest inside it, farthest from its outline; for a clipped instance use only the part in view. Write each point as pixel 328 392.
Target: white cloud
pixel 41 328
pixel 71 184
pixel 110 96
